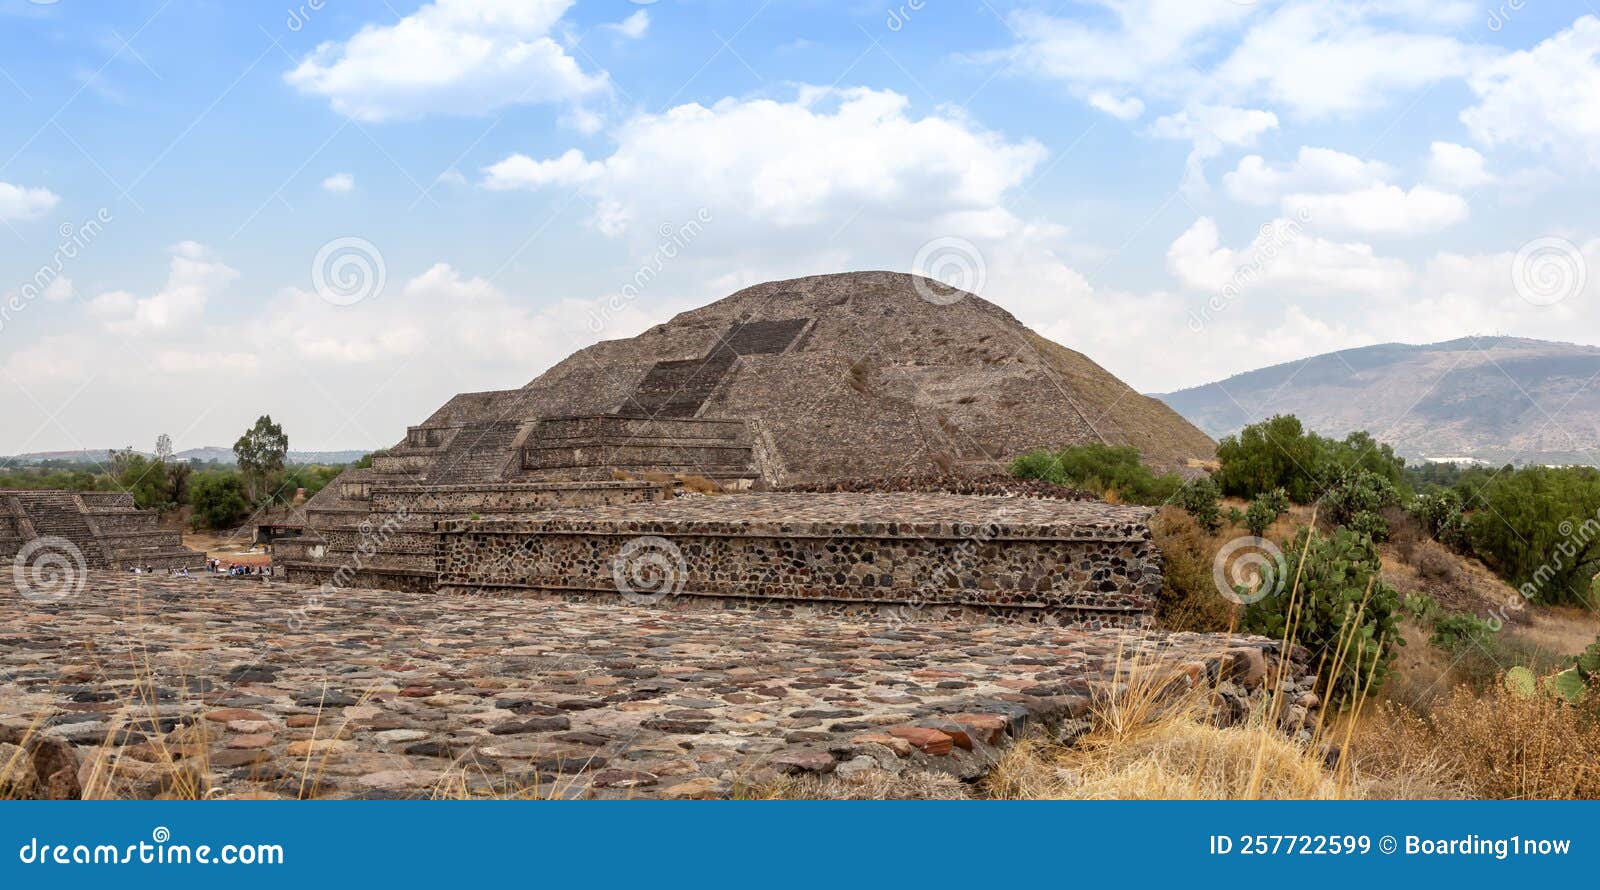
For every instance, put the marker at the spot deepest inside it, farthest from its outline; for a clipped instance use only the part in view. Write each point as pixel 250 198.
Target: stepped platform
pixel 594 446
pixel 276 690
pixel 104 527
pixel 370 531
pixel 915 556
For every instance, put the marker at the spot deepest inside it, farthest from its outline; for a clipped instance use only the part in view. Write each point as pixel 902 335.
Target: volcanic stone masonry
pixel 806 381
pixel 383 536
pixel 155 686
pixel 918 556
pixel 103 529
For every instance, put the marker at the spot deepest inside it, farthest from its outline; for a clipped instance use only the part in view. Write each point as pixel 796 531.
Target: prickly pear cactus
pixel 1589 662
pixel 1522 682
pixel 1568 684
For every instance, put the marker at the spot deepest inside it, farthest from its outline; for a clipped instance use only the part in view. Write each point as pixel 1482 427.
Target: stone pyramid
pixel 848 375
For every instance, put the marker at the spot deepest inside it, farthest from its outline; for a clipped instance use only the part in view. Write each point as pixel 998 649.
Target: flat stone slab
pixel 282 690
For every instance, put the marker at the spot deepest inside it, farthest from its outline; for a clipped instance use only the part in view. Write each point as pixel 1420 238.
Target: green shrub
pixel 1102 469
pixel 1440 516
pixel 1198 498
pixel 1452 633
pixel 1338 608
pixel 1265 510
pixel 1355 501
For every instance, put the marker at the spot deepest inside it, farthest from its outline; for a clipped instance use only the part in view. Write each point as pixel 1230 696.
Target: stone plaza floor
pixel 230 687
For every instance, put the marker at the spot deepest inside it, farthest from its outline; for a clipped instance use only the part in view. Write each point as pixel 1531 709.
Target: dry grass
pixel 1491 745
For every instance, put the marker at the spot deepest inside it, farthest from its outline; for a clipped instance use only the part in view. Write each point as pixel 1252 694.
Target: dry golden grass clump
pixel 1494 744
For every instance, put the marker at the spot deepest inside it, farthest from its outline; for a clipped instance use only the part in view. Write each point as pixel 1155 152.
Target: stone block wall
pixel 386 538
pixel 921 556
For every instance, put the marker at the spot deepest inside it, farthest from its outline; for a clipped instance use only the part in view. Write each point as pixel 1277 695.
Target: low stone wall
pixel 394 544
pixel 921 556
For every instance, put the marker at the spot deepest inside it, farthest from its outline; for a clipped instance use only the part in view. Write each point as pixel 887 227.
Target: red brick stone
pixel 929 741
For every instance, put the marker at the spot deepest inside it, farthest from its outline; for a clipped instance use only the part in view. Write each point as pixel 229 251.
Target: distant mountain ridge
pixel 203 454
pixel 1497 399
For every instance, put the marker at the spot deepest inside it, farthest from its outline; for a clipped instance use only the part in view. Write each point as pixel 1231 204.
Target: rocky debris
pixel 386 694
pixel 37 767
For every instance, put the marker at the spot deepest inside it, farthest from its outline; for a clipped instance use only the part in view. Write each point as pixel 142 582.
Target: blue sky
pixel 343 212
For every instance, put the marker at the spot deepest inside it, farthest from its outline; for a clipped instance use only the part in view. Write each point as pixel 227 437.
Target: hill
pixel 1496 399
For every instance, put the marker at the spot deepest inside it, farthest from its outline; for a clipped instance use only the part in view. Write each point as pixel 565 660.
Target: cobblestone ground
pixel 174 686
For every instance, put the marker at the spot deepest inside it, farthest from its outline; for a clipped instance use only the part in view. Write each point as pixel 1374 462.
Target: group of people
pixel 215 565
pixel 151 570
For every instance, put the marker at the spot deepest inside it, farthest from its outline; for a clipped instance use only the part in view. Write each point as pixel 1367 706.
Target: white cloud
pixel 1142 44
pixel 19 203
pixel 1283 258
pixel 1340 192
pixel 1545 98
pixel 1383 210
pixel 1456 166
pixel 813 162
pixel 192 361
pixel 1254 181
pixel 1212 128
pixel 633 27
pixel 1313 58
pixel 449 57
pixel 1328 59
pixel 522 172
pixel 193 278
pixel 59 290
pixel 1125 109
pixel 1217 125
pixel 339 184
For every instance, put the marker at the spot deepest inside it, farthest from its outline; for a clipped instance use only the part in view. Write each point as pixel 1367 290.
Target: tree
pixel 1280 453
pixel 164 448
pixel 261 452
pixel 1539 527
pixel 218 500
pixel 1275 453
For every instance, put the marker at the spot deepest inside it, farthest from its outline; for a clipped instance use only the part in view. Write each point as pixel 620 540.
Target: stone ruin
pixel 910 555
pixel 806 382
pixel 844 609
pixel 103 526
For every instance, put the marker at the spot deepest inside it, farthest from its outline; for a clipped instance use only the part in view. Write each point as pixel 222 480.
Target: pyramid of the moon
pixel 808 380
